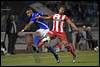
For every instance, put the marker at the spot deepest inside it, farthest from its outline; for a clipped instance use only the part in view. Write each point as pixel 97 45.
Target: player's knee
pixel 40 45
pixel 65 43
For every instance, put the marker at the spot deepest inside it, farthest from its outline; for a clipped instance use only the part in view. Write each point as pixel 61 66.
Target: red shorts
pixel 61 35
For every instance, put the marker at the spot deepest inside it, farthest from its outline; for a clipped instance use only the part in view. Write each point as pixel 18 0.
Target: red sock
pixel 40 44
pixel 72 52
pixel 71 49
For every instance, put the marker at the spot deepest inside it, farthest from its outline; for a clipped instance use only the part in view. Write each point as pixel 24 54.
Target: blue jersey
pixel 40 22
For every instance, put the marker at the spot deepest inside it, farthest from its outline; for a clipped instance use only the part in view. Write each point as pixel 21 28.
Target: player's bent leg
pixel 51 49
pixel 40 44
pixel 47 39
pixel 71 49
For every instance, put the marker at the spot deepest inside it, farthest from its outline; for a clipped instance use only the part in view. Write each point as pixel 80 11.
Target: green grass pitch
pixel 84 58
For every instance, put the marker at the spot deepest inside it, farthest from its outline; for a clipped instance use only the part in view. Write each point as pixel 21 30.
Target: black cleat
pixel 74 59
pixel 35 49
pixel 58 59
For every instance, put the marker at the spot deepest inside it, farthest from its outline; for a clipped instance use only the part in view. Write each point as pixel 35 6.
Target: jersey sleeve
pixel 40 14
pixel 32 20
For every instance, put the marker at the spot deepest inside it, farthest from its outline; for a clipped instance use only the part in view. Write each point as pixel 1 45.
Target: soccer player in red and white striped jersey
pixel 57 31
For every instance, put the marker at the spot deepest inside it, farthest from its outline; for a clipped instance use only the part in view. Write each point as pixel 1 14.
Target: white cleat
pixel 58 61
pixel 74 59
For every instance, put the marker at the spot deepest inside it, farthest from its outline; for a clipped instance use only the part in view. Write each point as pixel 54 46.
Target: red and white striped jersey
pixel 58 22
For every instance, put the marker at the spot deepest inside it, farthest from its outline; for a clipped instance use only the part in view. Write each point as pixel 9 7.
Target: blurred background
pixel 81 12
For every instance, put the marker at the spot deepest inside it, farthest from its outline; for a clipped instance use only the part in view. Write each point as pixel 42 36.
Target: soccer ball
pixel 96 48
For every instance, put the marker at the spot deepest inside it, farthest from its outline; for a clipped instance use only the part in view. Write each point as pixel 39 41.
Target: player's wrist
pixel 22 30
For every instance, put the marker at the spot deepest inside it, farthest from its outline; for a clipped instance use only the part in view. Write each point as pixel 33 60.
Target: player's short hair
pixel 30 8
pixel 61 7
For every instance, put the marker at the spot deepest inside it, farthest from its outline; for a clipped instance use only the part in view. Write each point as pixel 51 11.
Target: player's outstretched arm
pixel 25 28
pixel 43 17
pixel 72 24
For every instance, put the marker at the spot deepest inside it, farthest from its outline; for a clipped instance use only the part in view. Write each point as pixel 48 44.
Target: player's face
pixel 61 10
pixel 29 12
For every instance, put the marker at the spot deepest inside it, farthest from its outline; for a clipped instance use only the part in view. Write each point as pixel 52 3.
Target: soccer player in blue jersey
pixel 41 30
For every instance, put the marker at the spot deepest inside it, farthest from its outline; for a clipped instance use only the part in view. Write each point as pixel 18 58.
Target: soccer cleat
pixel 35 49
pixel 58 59
pixel 74 59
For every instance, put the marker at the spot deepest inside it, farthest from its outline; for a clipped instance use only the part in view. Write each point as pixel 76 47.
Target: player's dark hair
pixel 30 8
pixel 62 6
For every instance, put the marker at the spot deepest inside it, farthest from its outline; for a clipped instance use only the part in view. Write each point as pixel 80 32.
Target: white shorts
pixel 43 32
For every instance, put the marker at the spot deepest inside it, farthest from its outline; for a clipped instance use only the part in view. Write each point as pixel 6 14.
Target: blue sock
pixel 36 40
pixel 51 49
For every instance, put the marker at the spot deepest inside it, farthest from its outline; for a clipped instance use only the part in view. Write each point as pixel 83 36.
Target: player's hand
pixel 19 33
